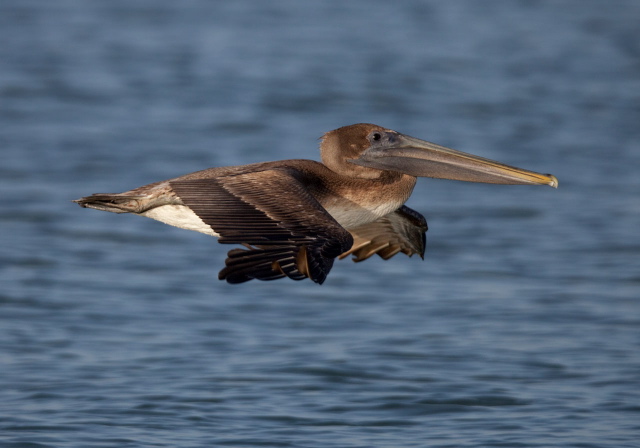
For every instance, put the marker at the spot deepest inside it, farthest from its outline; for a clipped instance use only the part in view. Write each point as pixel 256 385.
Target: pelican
pixel 295 217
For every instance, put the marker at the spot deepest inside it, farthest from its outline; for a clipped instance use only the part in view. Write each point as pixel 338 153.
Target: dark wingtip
pixel 263 264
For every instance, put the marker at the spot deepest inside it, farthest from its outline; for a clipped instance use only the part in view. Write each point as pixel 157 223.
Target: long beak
pixel 420 158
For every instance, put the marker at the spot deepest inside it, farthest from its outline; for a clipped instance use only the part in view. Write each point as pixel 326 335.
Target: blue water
pixel 520 329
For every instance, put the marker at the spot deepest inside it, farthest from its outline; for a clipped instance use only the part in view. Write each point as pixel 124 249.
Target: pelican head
pixel 364 150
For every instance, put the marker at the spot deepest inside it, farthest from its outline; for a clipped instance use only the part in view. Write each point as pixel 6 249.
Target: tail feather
pixel 115 203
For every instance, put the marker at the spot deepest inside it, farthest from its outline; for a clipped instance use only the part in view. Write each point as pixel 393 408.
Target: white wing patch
pixel 179 216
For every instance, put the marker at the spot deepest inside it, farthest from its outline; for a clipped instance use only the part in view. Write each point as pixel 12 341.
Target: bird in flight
pixel 295 217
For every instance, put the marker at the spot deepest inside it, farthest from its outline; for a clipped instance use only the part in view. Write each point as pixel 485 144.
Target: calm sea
pixel 520 329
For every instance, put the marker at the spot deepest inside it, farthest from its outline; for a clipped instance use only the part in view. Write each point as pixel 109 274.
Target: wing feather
pixel 285 230
pixel 400 231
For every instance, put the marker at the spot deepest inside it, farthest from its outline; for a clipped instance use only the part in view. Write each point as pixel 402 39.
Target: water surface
pixel 519 329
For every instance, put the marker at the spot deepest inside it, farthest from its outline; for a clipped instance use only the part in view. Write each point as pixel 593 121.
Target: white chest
pixel 351 215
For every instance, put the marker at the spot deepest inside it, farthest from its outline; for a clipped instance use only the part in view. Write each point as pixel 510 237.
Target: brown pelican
pixel 294 217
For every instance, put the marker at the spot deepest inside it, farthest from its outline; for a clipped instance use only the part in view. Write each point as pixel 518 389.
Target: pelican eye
pixel 377 136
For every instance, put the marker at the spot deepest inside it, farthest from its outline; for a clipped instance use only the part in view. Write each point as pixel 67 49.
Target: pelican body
pixel 295 217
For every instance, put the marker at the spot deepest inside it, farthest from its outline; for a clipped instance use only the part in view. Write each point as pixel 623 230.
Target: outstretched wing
pixel 285 229
pixel 400 231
